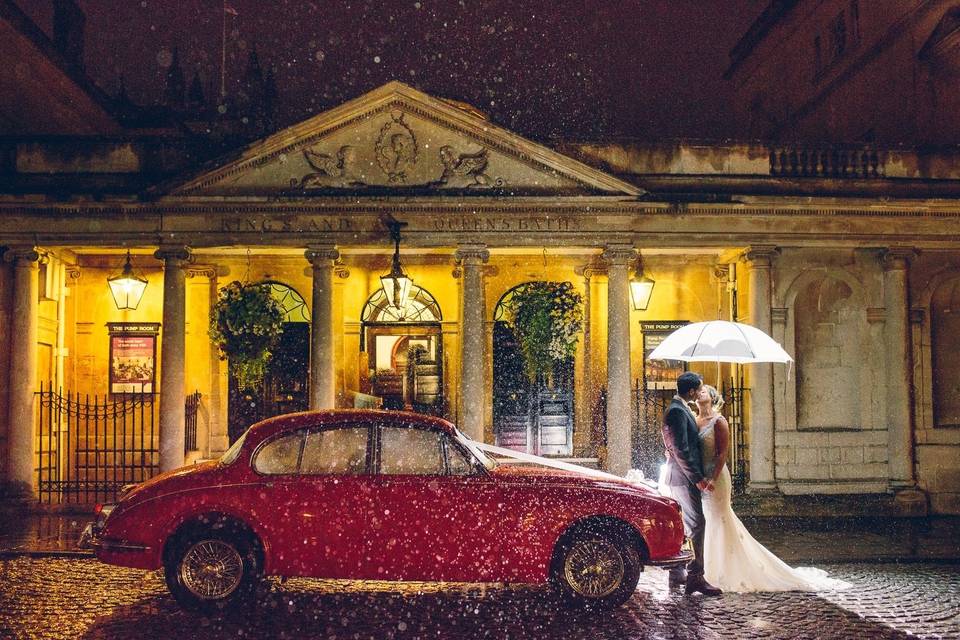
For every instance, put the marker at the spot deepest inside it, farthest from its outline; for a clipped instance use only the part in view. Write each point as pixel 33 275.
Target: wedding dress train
pixel 733 559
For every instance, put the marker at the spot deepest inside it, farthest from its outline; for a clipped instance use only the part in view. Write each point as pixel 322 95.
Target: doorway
pixel 285 387
pixel 404 352
pixel 533 416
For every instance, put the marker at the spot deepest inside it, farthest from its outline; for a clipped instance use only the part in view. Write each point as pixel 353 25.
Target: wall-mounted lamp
pixel 127 288
pixel 641 288
pixel 396 285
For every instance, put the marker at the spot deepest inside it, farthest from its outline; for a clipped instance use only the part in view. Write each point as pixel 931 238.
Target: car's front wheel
pixel 211 569
pixel 596 570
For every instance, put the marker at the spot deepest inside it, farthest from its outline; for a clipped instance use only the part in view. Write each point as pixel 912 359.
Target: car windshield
pixel 231 454
pixel 486 461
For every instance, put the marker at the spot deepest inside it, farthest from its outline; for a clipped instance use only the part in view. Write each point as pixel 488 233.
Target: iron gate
pixel 89 447
pixel 648 449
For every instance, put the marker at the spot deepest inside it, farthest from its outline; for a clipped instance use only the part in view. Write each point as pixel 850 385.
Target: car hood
pixel 535 474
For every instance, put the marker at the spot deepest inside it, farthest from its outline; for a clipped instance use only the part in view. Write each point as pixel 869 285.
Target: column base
pixel 762 488
pixel 910 501
pixel 16 494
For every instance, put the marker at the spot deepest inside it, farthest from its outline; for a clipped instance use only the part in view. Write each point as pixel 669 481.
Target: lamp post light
pixel 641 289
pixel 127 288
pixel 396 284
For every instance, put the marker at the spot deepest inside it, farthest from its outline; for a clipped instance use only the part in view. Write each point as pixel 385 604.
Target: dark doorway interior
pixel 534 417
pixel 285 387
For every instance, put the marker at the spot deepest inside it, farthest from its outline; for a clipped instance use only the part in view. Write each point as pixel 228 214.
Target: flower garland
pixel 546 318
pixel 246 323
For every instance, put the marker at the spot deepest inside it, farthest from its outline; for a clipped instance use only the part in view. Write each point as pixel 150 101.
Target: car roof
pixel 293 421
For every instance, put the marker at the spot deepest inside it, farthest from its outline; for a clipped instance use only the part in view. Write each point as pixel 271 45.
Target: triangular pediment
pixel 398 140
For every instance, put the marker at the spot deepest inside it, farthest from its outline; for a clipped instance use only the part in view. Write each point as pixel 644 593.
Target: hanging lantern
pixel 396 284
pixel 641 289
pixel 127 288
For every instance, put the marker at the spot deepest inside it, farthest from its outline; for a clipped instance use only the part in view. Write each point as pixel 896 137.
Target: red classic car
pixel 387 496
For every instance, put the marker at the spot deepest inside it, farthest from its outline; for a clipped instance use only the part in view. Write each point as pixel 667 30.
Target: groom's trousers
pixel 688 496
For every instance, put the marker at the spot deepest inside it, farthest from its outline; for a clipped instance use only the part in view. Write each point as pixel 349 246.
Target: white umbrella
pixel 720 341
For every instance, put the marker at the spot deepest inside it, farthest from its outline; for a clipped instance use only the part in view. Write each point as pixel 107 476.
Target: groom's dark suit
pixel 684 471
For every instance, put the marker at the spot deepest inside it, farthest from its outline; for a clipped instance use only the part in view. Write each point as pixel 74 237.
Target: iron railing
pixel 190 409
pixel 89 447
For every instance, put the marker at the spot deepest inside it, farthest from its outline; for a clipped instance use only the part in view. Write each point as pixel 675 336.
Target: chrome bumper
pixel 685 555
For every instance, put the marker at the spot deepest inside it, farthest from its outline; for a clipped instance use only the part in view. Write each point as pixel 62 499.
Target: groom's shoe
pixel 700 585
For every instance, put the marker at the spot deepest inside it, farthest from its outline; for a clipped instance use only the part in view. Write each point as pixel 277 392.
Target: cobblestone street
pixel 80 598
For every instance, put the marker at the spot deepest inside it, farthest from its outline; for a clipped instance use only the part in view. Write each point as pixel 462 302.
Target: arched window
pixel 945 353
pixel 828 356
pixel 294 307
pixel 420 307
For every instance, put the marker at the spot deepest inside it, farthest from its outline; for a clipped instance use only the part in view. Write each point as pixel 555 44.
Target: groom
pixel 686 480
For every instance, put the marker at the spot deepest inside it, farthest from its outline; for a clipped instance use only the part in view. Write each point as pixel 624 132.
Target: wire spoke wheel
pixel 211 569
pixel 594 568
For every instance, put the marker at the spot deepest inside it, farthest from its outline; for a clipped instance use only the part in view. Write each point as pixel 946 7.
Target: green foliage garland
pixel 246 323
pixel 546 318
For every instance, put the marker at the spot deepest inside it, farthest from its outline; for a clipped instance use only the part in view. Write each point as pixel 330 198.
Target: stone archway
pixel 285 387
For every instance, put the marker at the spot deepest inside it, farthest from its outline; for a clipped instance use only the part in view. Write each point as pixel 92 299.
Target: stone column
pixel 619 413
pixel 897 339
pixel 761 387
pixel 23 369
pixel 172 355
pixel 472 361
pixel 322 364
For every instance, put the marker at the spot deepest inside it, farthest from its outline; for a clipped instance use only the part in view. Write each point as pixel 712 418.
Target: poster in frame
pixel 133 356
pixel 660 374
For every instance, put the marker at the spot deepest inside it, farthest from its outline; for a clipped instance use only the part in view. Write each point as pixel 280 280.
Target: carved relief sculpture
pixel 396 148
pixel 465 170
pixel 339 171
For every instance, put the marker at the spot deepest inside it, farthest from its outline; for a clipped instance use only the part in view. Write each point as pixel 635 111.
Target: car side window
pixel 411 451
pixel 280 456
pixel 458 464
pixel 342 450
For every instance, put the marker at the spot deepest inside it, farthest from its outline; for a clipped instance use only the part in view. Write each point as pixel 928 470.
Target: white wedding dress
pixel 733 560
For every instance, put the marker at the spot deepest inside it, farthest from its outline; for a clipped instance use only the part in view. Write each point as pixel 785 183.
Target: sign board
pixel 660 374
pixel 133 356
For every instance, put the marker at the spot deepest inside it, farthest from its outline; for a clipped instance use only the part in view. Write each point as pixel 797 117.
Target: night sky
pixel 584 69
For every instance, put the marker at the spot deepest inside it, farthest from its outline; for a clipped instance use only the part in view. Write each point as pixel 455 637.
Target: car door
pixel 434 511
pixel 335 501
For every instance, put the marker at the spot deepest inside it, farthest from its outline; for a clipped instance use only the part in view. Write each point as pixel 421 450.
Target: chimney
pixel 68 24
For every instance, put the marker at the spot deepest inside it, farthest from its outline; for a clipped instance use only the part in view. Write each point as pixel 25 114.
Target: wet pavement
pixel 61 598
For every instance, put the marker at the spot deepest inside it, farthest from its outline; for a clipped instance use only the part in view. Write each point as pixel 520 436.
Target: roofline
pixel 757 31
pixel 22 23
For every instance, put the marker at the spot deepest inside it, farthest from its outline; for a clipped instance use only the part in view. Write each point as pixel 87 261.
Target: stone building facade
pixel 852 70
pixel 855 270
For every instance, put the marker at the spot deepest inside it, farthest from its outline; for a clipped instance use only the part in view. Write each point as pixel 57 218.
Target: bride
pixel 733 560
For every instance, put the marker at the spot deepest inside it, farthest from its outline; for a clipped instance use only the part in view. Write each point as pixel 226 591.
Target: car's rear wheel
pixel 210 569
pixel 596 569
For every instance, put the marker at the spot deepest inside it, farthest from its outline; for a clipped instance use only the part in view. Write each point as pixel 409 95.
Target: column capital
pixel 175 254
pixel 896 258
pixel 20 254
pixel 760 255
pixel 474 254
pixel 620 255
pixel 917 315
pixel 321 255
pixel 587 271
pixel 201 271
pixel 779 314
